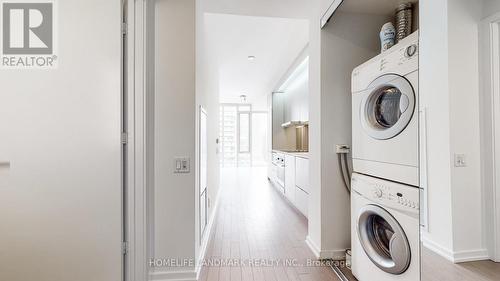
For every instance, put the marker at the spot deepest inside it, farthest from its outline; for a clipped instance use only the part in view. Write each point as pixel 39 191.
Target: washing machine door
pixel 387 107
pixel 383 240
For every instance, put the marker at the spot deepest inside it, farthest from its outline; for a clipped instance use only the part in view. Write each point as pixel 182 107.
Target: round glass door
pixel 388 106
pixel 383 240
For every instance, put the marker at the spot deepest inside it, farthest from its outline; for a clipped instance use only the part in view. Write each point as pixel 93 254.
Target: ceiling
pixel 275 43
pixel 262 8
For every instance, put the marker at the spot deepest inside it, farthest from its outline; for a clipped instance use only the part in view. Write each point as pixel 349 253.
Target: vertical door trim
pixel 124 138
pixel 202 227
pixel 490 86
pixel 138 145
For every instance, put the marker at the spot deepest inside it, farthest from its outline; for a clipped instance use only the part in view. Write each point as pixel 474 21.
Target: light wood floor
pixel 254 222
pixel 437 268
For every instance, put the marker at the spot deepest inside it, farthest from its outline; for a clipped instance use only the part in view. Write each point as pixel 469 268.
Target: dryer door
pixel 387 107
pixel 383 240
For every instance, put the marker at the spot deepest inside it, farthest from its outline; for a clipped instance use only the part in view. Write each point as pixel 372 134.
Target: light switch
pixel 460 160
pixel 181 165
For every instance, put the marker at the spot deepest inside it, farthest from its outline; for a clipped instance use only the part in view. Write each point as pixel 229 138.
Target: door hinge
pixel 124 248
pixel 124 28
pixel 124 138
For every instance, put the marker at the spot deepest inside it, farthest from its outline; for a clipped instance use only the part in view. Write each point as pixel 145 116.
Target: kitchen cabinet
pixel 296 105
pixel 302 105
pixel 296 179
pixel 301 201
pixel 302 173
pixel 290 178
pixel 279 138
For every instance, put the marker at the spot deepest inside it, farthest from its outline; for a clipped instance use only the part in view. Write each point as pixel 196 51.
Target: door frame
pixel 490 127
pixel 139 125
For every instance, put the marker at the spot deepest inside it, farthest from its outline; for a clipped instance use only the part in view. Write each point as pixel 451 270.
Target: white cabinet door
pixel 295 106
pixel 302 173
pixel 287 104
pixel 301 200
pixel 270 166
pixel 304 106
pixel 290 178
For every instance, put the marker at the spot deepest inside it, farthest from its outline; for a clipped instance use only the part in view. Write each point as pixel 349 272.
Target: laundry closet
pixel 367 110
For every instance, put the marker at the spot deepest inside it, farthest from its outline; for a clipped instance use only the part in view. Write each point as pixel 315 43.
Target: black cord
pixel 342 173
pixel 347 171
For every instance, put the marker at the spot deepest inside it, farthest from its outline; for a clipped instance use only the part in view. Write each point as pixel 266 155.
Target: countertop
pixel 293 153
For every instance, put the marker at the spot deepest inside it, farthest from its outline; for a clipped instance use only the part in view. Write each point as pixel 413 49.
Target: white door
pixel 203 150
pixel 203 170
pixel 60 154
pixel 387 107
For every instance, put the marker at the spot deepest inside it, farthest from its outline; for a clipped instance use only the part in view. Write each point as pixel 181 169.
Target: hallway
pixel 254 224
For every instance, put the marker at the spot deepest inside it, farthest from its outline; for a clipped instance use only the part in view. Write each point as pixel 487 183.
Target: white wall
pixel 207 96
pixel 449 83
pixel 175 119
pixel 490 7
pixel 434 98
pixel 258 102
pixel 464 17
pixel 347 41
pixel 314 211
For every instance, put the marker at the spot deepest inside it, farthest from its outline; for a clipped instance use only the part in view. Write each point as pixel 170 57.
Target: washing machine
pixel 385 114
pixel 384 230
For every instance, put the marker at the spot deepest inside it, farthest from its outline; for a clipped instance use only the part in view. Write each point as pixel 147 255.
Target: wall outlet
pixel 460 160
pixel 181 165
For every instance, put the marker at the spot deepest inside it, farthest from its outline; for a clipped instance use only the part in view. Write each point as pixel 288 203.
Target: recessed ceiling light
pixel 251 58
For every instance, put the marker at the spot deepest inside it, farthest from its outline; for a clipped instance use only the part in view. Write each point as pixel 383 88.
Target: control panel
pixel 402 59
pixel 401 56
pixel 387 193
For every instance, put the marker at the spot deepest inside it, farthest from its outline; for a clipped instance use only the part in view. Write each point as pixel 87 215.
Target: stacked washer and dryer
pixel 385 152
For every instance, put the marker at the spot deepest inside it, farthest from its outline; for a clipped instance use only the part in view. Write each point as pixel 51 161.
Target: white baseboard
pixel 455 256
pixel 438 249
pixel 324 254
pixel 208 232
pixel 471 255
pixel 173 276
pixel 313 247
